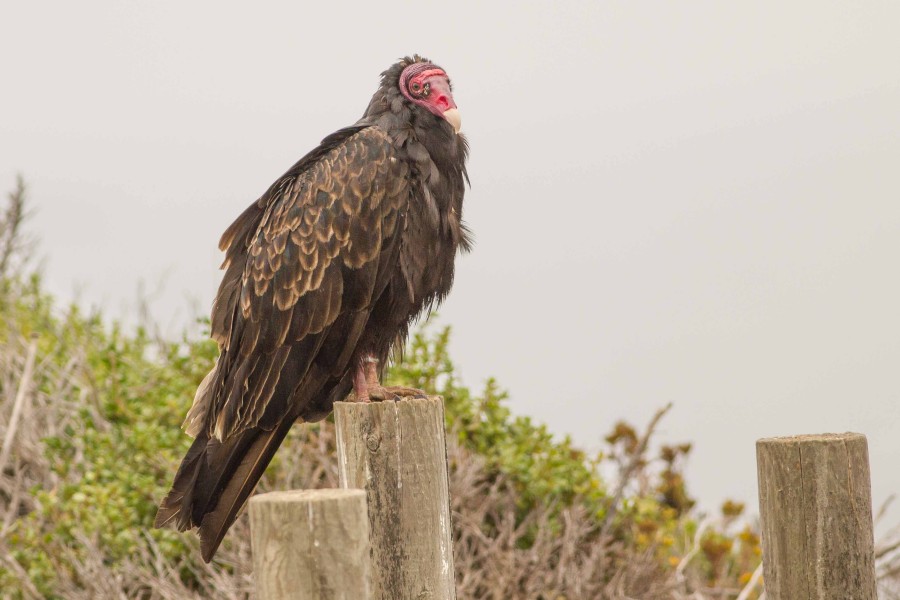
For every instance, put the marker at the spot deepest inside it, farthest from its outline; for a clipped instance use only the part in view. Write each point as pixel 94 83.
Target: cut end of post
pixel 812 438
pixel 312 496
pixel 430 399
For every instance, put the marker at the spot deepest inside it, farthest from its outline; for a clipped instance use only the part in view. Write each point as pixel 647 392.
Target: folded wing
pixel 304 266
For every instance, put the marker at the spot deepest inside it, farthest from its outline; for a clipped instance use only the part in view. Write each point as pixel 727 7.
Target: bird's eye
pixel 416 87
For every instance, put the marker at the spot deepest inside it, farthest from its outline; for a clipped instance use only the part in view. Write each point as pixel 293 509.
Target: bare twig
pixel 10 226
pixel 28 588
pixel 883 550
pixel 695 548
pixel 21 394
pixel 12 509
pixel 751 585
pixel 630 468
pixel 882 511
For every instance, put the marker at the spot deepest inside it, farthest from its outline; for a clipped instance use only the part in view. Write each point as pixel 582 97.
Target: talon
pixel 398 392
pixel 367 388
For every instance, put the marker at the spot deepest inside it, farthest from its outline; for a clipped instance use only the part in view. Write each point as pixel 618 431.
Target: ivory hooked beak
pixel 454 118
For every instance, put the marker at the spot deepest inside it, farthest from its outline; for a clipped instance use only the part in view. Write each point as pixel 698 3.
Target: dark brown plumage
pixel 325 271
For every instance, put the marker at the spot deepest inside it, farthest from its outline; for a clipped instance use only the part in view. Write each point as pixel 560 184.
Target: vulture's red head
pixel 428 86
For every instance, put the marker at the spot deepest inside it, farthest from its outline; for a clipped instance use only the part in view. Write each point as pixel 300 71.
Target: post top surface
pixel 401 401
pixel 813 438
pixel 321 495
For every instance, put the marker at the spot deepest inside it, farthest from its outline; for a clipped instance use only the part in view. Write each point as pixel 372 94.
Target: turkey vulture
pixel 323 276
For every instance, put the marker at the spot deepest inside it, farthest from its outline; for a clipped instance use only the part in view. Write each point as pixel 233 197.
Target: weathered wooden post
pixel 310 545
pixel 815 503
pixel 397 451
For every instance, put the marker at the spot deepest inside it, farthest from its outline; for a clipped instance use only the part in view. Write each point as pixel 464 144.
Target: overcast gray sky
pixel 695 202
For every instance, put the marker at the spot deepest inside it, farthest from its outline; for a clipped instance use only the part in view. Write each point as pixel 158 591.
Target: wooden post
pixel 397 451
pixel 815 505
pixel 310 545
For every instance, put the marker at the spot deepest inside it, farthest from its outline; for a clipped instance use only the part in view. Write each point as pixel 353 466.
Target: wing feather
pixel 315 253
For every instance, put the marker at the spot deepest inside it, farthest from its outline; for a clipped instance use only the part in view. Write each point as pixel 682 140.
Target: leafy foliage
pixel 111 460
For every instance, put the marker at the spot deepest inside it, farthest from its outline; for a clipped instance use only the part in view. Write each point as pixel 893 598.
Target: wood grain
pixel 816 510
pixel 397 451
pixel 310 545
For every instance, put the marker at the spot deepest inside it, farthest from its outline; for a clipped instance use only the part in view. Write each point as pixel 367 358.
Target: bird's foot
pixel 394 393
pixel 366 387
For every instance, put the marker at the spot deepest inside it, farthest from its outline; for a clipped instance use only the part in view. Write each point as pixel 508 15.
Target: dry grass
pixel 568 557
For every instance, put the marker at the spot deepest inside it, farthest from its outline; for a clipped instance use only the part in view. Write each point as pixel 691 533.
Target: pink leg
pixel 360 385
pixel 372 372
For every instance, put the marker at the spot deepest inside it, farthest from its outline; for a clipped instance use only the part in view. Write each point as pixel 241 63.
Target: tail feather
pixel 238 487
pixel 177 503
pixel 222 460
pixel 214 481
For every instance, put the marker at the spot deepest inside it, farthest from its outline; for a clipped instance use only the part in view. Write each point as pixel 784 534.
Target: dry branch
pixel 21 395
pixel 625 476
